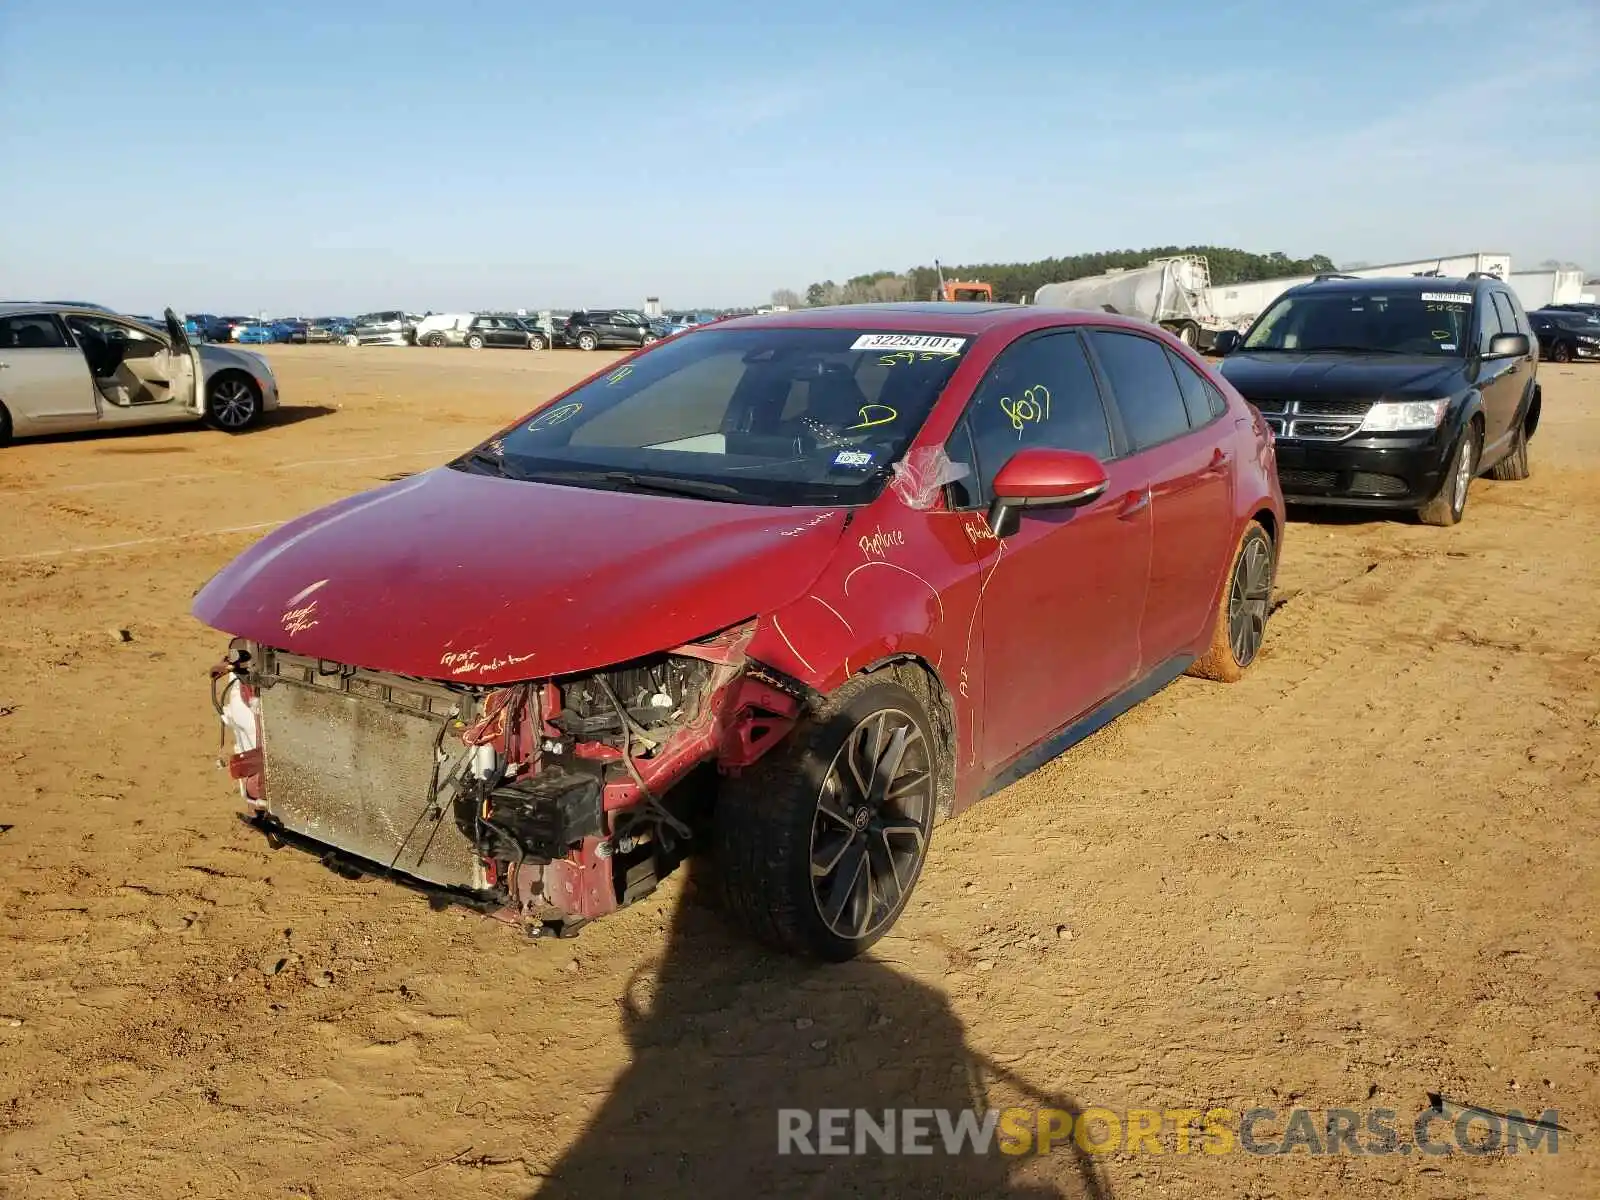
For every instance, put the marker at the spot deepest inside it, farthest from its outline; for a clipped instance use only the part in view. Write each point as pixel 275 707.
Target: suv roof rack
pixel 1333 275
pixel 1483 275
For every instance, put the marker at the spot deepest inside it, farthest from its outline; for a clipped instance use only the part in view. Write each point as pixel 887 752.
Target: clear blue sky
pixel 333 157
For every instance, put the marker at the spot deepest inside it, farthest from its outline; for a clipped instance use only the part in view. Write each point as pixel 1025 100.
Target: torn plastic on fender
pixel 921 475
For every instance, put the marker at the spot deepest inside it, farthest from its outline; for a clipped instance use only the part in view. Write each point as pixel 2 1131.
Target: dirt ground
pixel 1368 873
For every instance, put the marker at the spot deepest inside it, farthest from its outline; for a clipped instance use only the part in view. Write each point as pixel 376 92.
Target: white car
pixel 443 329
pixel 66 368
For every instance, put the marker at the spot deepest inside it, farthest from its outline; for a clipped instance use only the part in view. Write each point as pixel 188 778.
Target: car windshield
pixel 1380 321
pixel 761 416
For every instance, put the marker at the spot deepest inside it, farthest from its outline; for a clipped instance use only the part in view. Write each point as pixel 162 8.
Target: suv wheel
pixel 1241 624
pixel 1446 508
pixel 351 339
pixel 475 341
pixel 436 340
pixel 649 339
pixel 820 843
pixel 587 341
pixel 536 341
pixel 1561 352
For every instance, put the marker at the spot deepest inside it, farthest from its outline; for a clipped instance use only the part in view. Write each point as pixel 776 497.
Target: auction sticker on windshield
pixel 924 342
pixel 1447 297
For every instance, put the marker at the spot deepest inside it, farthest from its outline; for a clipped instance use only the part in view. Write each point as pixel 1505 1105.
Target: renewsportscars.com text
pixel 1214 1131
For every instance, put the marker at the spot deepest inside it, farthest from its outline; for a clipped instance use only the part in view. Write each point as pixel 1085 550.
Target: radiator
pixel 348 756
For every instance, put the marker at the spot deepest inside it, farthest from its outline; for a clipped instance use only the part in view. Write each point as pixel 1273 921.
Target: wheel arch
pixel 7 425
pixel 230 372
pixel 921 678
pixel 1530 419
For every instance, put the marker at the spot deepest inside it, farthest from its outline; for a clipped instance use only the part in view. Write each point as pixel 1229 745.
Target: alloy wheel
pixel 1249 596
pixel 233 403
pixel 1463 479
pixel 870 831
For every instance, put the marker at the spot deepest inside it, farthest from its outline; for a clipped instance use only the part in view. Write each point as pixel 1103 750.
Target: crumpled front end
pixel 549 803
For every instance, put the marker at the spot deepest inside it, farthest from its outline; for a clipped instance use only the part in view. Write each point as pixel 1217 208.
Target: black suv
pixel 599 327
pixel 1391 393
pixel 1566 333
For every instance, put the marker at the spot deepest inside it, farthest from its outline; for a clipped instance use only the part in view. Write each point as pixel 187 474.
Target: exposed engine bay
pixel 548 803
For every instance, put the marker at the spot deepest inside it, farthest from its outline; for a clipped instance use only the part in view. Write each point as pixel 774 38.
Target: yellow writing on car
pixel 1032 409
pixel 876 414
pixel 555 416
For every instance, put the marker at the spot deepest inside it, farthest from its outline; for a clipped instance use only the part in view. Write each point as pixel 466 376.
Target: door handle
pixel 1133 504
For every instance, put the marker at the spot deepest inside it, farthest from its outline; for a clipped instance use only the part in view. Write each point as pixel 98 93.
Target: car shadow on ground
pixel 1311 514
pixel 126 441
pixel 723 1035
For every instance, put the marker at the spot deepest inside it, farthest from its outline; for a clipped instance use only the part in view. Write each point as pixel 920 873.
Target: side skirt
pixel 1058 743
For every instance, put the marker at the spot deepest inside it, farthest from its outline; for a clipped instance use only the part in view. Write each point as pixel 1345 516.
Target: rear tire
pixel 5 425
pixel 351 339
pixel 474 342
pixel 1514 465
pixel 537 342
pixel 587 341
pixel 1448 506
pixel 1188 334
pixel 1241 624
pixel 436 340
pixel 814 859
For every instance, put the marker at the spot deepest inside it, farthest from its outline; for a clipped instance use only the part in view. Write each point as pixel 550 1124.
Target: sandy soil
pixel 1366 874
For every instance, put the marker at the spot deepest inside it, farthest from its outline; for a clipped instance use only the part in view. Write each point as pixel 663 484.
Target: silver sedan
pixel 66 368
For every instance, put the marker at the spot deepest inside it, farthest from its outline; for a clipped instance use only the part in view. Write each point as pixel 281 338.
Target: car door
pixel 1495 382
pixel 1187 465
pixel 1514 382
pixel 508 333
pixel 1060 599
pixel 44 379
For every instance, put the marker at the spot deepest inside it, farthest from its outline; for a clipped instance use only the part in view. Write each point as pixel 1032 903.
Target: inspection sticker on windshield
pixel 1448 297
pixel 924 342
pixel 853 458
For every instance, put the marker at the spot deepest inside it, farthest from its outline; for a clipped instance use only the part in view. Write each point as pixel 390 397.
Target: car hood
pixel 450 575
pixel 1289 376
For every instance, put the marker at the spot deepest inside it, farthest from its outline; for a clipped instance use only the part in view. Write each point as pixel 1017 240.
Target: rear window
pixel 1146 391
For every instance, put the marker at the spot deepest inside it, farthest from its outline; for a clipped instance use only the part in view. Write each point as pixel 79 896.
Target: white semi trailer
pixel 1537 288
pixel 1170 292
pixel 1238 304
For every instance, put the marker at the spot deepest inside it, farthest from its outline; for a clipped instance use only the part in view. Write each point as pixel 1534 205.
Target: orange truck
pixel 951 290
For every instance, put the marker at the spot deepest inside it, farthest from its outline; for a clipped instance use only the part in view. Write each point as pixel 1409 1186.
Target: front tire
pixel 1561 352
pixel 351 339
pixel 436 340
pixel 1241 624
pixel 820 843
pixel 1448 506
pixel 1514 466
pixel 537 342
pixel 233 403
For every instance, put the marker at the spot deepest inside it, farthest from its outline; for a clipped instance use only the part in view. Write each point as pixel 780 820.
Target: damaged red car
pixel 788 590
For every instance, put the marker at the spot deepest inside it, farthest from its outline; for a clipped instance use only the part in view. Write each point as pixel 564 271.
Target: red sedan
pixel 787 589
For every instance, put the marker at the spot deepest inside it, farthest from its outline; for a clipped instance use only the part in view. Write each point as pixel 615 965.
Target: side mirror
pixel 1043 478
pixel 1508 345
pixel 1227 341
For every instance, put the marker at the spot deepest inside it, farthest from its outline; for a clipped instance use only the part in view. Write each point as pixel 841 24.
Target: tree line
pixel 1014 281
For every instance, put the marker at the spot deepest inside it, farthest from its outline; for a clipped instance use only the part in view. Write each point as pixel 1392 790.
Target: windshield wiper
pixel 485 463
pixel 666 485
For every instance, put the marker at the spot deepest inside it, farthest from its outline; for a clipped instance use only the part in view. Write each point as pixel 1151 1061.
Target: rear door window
pixel 1143 386
pixel 1195 391
pixel 36 331
pixel 1508 316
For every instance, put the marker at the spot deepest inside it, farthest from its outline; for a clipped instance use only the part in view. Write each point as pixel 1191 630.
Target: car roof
pixel 11 308
pixel 930 316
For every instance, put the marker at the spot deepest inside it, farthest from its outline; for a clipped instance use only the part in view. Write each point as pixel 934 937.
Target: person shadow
pixel 724 1035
